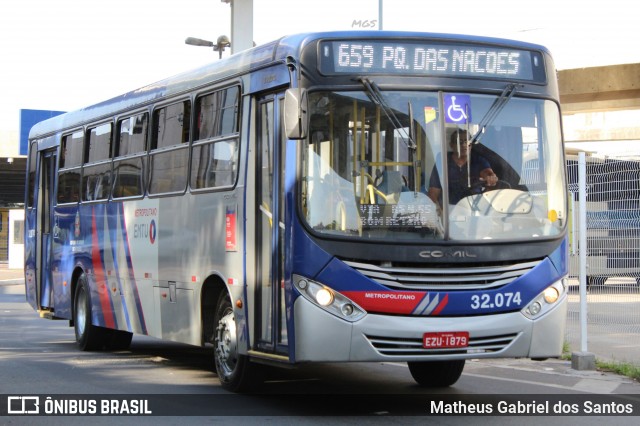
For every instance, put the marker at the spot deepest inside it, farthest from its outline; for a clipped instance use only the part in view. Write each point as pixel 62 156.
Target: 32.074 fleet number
pixel 497 300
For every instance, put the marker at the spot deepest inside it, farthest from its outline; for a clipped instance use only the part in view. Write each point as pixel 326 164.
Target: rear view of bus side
pixel 278 205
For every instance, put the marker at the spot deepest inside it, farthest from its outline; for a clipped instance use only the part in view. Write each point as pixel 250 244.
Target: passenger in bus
pixel 461 152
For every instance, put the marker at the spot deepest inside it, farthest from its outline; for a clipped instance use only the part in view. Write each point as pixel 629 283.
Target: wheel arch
pixel 212 287
pixel 75 276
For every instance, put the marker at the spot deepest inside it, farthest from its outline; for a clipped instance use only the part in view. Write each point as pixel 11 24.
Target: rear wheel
pixel 436 374
pixel 234 370
pixel 88 336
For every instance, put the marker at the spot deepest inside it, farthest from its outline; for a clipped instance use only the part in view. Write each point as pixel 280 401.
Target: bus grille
pixel 444 278
pixel 403 347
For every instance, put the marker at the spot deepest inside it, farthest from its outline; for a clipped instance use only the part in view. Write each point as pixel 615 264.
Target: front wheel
pixel 436 374
pixel 234 370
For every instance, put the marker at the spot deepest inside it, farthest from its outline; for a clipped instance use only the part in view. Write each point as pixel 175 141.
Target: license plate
pixel 448 339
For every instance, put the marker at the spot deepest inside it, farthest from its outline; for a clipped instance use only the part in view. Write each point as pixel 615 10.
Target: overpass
pixel 605 88
pixel 601 103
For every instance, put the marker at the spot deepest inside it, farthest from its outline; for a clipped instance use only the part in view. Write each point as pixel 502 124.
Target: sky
pixel 67 54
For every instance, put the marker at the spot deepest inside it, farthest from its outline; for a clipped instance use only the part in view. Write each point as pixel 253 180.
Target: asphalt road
pixel 39 357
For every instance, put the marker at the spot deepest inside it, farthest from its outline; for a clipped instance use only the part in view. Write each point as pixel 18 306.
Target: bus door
pixel 44 220
pixel 271 325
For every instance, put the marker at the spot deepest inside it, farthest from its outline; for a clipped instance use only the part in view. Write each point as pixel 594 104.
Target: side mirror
pixel 296 106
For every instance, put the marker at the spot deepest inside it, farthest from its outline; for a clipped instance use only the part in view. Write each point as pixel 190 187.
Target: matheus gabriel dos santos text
pixel 532 407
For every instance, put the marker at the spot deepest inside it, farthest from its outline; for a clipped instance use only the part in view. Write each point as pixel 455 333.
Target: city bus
pixel 273 206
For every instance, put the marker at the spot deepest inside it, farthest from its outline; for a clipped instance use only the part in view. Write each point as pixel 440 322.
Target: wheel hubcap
pixel 226 346
pixel 81 311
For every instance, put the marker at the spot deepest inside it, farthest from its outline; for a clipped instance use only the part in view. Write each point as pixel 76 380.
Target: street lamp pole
pixel 219 46
pixel 241 29
pixel 241 24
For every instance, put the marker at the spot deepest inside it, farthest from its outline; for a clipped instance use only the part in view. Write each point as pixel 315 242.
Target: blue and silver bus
pixel 275 206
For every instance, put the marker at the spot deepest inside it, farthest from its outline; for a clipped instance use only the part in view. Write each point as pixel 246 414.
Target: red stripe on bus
pixel 441 305
pixel 100 279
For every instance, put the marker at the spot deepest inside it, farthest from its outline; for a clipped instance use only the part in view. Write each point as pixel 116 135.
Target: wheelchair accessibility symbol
pixel 458 108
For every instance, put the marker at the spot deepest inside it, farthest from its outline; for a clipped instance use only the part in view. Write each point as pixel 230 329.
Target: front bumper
pixel 321 336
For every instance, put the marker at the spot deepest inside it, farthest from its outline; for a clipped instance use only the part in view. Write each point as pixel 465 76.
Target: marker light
pixel 347 309
pixel 535 308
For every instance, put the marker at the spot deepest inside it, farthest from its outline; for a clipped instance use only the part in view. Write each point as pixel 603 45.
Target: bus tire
pixel 436 374
pixel 88 336
pixel 234 370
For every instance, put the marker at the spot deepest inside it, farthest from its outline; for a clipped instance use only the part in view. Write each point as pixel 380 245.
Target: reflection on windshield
pixel 364 178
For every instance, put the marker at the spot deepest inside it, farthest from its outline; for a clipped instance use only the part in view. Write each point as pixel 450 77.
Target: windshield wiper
pixel 373 92
pixel 493 111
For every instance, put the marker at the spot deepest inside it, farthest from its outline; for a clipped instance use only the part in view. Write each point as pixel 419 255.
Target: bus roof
pixel 252 59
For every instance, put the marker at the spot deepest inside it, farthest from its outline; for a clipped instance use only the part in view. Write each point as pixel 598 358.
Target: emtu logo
pixel 144 231
pixel 152 231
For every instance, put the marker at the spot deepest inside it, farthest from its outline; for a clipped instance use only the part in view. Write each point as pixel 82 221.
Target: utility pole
pixel 241 24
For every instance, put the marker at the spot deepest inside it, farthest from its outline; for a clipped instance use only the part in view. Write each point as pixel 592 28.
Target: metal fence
pixel 612 258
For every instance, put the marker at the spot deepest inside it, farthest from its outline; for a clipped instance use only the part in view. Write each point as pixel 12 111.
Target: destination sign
pixel 430 58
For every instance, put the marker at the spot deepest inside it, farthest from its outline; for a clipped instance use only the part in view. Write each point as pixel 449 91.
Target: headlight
pixel 551 294
pixel 545 301
pixel 326 298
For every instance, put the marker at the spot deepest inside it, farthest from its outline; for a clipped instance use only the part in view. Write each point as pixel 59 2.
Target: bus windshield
pixel 375 164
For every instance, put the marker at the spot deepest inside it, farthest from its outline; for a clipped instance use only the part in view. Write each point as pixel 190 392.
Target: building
pixel 13 166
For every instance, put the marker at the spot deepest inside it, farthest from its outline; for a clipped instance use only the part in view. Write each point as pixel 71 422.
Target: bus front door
pixel 271 324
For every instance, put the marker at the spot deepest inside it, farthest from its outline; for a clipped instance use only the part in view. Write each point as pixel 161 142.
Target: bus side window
pixel 71 154
pixel 215 150
pixel 130 160
pixel 96 176
pixel 170 156
pixel 69 186
pixel 214 164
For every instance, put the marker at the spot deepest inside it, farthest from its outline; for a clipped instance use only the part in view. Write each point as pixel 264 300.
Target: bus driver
pixel 458 168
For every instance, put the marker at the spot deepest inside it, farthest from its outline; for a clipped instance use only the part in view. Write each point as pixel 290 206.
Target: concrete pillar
pixel 16 239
